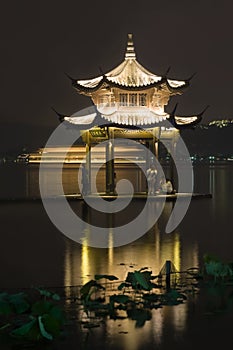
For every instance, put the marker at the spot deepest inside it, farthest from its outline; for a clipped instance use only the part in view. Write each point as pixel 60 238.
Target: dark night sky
pixel 42 40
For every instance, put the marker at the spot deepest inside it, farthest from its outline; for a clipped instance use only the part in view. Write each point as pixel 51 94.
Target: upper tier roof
pixel 130 74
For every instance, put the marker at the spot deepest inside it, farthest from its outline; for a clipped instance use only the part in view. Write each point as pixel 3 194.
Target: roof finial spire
pixel 130 53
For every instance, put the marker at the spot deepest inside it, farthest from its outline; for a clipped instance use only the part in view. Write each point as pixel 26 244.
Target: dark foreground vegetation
pixel 29 318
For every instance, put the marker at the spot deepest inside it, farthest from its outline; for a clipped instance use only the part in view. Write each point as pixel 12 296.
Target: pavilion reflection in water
pixel 82 262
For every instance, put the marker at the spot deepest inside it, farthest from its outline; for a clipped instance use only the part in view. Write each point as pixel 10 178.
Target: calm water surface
pixel 33 252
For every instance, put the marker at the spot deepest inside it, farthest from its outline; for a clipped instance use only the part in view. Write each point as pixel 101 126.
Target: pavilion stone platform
pixel 140 196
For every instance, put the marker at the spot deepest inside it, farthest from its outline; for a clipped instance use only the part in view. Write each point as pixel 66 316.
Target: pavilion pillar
pixel 88 163
pixel 172 165
pixel 157 140
pixel 151 146
pixel 154 142
pixel 156 154
pixel 157 150
pixel 173 172
pixel 175 180
pixel 147 156
pixel 110 181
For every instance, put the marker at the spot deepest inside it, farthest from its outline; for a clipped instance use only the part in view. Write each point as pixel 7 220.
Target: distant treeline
pixel 214 138
pixel 220 123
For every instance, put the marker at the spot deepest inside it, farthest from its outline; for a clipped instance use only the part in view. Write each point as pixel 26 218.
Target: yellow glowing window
pixel 142 99
pixel 123 99
pixel 133 99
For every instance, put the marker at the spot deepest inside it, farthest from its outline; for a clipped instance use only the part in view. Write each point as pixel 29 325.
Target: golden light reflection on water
pixel 85 261
pixel 110 250
pixel 152 250
pixel 154 329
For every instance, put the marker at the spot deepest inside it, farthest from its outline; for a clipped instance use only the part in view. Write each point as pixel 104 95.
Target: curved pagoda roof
pixel 93 119
pixel 130 75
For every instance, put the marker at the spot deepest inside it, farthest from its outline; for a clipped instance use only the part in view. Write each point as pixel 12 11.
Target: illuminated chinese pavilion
pixel 130 103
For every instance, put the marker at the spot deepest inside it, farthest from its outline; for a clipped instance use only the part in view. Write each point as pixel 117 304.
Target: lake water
pixel 33 252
